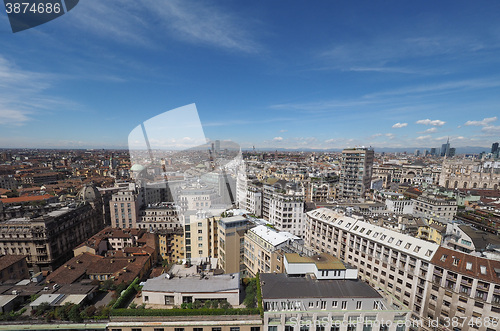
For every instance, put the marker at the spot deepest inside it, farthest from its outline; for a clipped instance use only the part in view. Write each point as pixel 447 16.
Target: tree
pixel 42 308
pixel 74 314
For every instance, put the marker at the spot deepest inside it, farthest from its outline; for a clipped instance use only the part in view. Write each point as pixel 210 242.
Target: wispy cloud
pixel 322 106
pixel 380 52
pixel 23 93
pixel 448 87
pixel 278 139
pixel 491 130
pixel 400 125
pixel 431 122
pixel 484 122
pixel 196 23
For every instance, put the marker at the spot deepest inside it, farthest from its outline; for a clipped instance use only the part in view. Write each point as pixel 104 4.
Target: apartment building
pixel 231 232
pixel 326 304
pixel 13 268
pixel 200 236
pixel 171 243
pixel 438 284
pixel 159 216
pixel 397 263
pixel 435 206
pixel 8 182
pixel 397 203
pixel 48 240
pixel 355 172
pixel 262 249
pixel 283 206
pixel 253 199
pixel 124 208
pixel 465 288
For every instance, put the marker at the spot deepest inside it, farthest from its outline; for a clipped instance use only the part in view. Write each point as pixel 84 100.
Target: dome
pixel 137 168
pixel 89 193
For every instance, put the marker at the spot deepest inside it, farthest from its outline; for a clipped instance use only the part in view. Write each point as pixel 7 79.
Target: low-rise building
pixel 174 291
pixel 13 267
pixel 333 304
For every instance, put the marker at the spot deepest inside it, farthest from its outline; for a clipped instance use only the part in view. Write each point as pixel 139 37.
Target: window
pixel 178 329
pixel 233 328
pixel 253 328
pixel 136 329
pixel 358 304
pixel 216 329
pixel 443 257
pixel 334 304
pixel 158 329
pixel 344 304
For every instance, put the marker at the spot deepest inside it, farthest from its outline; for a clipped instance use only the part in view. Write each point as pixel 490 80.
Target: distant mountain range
pixel 410 150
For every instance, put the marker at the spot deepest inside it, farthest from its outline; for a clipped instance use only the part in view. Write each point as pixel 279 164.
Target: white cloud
pixel 283 130
pixel 399 125
pixel 431 122
pixel 491 130
pixel 430 130
pixel 424 137
pixel 278 139
pixel 484 122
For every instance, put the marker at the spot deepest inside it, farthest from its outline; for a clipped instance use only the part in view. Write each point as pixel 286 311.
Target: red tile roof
pixel 491 271
pixel 28 198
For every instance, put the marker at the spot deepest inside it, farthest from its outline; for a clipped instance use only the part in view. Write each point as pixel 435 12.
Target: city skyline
pixel 265 75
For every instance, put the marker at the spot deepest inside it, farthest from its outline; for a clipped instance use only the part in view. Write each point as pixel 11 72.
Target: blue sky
pixel 332 74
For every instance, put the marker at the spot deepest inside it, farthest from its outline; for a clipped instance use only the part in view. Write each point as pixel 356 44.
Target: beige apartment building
pixel 386 259
pixel 231 243
pixel 418 273
pixel 201 236
pixel 171 244
pixel 158 217
pixel 48 240
pixel 124 209
pixel 435 206
pixel 262 249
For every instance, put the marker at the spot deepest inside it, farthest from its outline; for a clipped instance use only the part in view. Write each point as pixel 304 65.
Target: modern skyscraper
pixel 494 148
pixel 356 172
pixel 445 148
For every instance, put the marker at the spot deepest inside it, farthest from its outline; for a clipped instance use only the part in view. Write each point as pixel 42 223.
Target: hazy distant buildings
pixel 356 172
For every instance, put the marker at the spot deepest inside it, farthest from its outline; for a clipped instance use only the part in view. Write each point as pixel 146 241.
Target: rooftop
pixel 195 284
pixel 277 286
pixel 323 261
pixel 272 236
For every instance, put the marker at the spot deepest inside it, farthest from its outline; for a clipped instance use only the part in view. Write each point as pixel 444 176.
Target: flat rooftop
pixel 322 261
pixel 195 284
pixel 280 286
